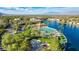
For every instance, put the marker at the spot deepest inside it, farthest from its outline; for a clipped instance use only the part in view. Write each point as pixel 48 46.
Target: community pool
pixel 47 29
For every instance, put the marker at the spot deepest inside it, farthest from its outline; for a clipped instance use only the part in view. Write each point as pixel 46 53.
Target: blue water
pixel 47 29
pixel 45 22
pixel 71 33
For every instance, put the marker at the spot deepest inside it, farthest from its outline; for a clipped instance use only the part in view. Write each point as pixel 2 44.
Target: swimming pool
pixel 47 29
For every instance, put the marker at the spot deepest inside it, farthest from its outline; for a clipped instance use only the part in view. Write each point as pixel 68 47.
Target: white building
pixel 35 19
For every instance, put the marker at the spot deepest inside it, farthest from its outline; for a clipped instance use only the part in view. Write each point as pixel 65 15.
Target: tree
pixel 6 40
pixel 15 43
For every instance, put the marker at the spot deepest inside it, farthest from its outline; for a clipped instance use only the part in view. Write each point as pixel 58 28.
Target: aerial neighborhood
pixel 23 33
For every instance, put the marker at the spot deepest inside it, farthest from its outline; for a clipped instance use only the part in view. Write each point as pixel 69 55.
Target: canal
pixel 71 33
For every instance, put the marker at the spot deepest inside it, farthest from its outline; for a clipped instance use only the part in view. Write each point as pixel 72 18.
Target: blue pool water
pixel 47 29
pixel 71 33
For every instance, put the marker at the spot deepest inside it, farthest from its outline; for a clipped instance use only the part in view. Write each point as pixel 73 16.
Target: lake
pixel 71 33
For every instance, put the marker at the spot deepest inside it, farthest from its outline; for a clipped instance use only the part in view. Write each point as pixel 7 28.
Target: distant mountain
pixel 49 13
pixel 1 14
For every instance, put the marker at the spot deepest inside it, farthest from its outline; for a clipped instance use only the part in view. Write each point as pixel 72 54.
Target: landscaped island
pixel 22 33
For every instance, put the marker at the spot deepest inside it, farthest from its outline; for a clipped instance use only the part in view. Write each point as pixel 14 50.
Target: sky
pixel 40 10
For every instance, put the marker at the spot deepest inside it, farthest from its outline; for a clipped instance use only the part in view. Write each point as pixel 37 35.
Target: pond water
pixel 71 33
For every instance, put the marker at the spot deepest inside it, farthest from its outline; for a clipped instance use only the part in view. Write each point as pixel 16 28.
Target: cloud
pixel 40 10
